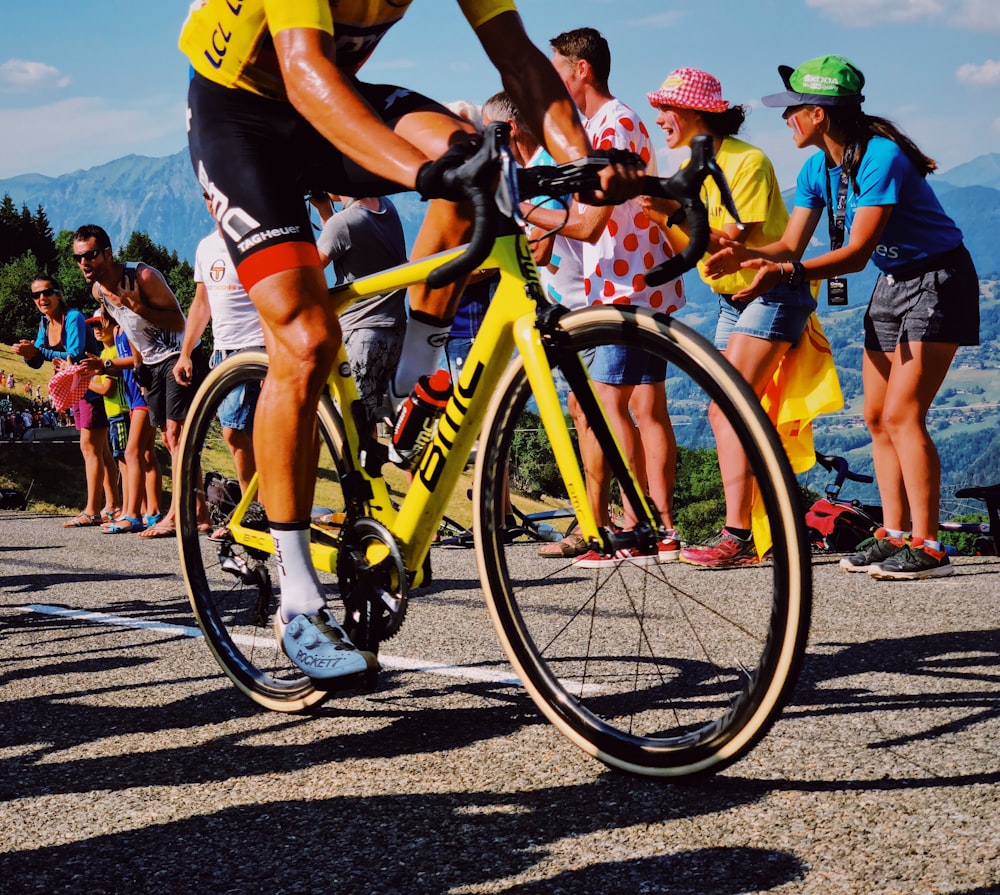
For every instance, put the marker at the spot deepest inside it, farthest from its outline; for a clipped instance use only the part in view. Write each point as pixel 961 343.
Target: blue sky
pixel 85 83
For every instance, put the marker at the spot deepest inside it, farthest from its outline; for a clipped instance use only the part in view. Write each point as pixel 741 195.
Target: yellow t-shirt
pixel 758 200
pixel 114 401
pixel 230 41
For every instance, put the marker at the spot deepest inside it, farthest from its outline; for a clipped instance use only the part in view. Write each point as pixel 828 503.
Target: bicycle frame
pixel 510 323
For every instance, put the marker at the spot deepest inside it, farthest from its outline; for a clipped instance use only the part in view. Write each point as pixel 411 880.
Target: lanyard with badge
pixel 836 287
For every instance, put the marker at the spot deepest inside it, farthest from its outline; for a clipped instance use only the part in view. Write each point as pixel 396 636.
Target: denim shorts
pixel 625 365
pixel 236 410
pixel 780 315
pixel 936 306
pixel 456 350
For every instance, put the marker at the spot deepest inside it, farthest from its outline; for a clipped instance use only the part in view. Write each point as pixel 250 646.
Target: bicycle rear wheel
pixel 232 587
pixel 659 668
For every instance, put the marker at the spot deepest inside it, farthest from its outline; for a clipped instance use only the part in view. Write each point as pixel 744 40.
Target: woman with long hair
pixel 64 337
pixel 869 180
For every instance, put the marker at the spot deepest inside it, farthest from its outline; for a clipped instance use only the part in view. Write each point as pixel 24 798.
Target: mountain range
pixel 161 197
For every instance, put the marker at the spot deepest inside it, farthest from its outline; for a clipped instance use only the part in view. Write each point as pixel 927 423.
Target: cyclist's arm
pixel 535 87
pixel 325 97
pixel 540 95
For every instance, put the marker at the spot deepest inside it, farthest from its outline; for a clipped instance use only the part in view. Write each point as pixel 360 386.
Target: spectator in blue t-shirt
pixel 870 179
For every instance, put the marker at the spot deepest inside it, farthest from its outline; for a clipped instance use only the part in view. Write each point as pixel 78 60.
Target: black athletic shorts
pixel 166 397
pixel 258 158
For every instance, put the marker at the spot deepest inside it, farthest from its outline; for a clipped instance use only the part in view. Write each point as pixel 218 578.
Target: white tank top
pixel 154 344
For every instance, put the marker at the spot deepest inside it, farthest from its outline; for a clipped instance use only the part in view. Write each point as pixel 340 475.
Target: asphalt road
pixel 129 764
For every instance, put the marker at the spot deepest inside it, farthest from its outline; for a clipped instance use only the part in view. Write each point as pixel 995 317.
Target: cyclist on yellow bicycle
pixel 275 110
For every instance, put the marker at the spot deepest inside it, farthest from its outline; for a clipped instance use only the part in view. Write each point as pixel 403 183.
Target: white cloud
pixel 23 76
pixel 972 15
pixel 986 74
pixel 64 136
pixel 979 15
pixel 866 13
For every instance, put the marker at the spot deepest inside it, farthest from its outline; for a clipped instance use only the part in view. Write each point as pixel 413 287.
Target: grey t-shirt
pixel 361 241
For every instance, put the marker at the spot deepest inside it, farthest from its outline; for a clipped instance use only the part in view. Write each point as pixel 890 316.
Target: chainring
pixel 373 582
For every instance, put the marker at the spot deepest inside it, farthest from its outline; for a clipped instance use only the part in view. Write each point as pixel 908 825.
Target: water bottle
pixel 417 417
pixel 549 532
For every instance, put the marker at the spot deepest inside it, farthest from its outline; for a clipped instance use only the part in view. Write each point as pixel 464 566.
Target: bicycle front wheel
pixel 233 587
pixel 651 665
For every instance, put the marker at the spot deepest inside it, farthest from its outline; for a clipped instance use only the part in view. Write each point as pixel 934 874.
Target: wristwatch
pixel 109 366
pixel 797 275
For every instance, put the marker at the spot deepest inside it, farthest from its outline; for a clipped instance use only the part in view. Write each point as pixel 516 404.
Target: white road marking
pixel 397 662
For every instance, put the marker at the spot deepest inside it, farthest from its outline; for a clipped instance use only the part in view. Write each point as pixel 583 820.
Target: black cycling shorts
pixel 258 158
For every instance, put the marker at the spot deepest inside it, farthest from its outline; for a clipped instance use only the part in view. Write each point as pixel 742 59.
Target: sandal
pixel 570 546
pixel 118 526
pixel 151 519
pixel 109 514
pixel 83 520
pixel 160 530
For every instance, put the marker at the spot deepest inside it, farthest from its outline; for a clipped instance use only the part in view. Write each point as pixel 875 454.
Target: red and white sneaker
pixel 594 560
pixel 669 549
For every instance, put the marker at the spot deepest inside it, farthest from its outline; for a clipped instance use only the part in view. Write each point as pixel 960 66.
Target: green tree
pixel 181 280
pixel 18 314
pixel 141 248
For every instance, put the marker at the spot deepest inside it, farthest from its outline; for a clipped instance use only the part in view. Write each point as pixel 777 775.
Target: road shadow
pixel 427 843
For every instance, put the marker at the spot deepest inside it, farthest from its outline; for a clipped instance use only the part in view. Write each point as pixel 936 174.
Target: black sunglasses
pixel 45 292
pixel 88 256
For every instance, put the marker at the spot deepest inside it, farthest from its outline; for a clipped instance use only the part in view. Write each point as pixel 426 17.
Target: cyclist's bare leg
pixel 756 359
pixel 875 369
pixel 302 336
pixel 658 445
pixel 918 369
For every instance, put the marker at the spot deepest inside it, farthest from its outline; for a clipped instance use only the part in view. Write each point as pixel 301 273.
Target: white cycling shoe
pixel 320 647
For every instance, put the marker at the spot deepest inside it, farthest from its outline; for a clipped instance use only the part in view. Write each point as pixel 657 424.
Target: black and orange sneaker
pixel 872 551
pixel 914 561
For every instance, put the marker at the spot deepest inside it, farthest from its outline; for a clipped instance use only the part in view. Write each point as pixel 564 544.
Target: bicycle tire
pixel 665 669
pixel 234 608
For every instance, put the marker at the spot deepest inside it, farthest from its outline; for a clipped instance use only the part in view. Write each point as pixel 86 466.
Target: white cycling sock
pixel 421 354
pixel 301 592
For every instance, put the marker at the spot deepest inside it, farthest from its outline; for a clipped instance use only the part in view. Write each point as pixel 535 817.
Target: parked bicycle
pixel 837 525
pixel 655 668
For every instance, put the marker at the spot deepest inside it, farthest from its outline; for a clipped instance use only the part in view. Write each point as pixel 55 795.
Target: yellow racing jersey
pixel 231 42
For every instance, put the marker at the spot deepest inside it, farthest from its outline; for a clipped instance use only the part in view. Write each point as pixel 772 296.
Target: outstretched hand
pixel 728 260
pixel 769 275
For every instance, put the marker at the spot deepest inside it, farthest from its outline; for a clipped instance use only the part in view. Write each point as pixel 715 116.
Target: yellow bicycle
pixel 653 667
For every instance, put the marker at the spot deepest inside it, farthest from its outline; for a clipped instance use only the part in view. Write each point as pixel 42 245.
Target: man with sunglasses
pixel 137 297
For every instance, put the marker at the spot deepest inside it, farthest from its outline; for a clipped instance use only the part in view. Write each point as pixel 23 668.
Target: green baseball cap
pixel 824 81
